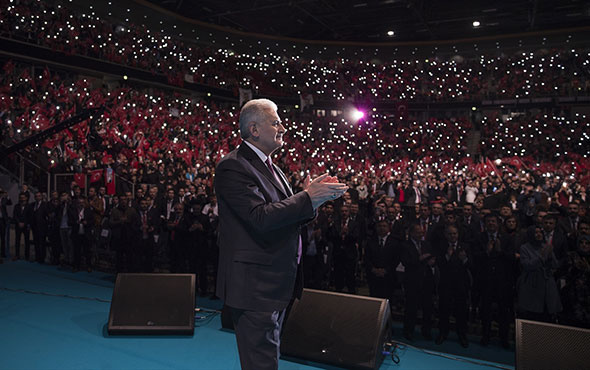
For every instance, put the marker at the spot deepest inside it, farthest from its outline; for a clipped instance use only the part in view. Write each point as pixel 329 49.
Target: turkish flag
pixel 110 181
pixel 95 176
pixel 80 179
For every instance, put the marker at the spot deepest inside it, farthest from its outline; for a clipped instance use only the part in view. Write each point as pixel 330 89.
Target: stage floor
pixel 52 331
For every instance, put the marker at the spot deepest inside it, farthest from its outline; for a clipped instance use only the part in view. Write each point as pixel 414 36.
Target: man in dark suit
pixel 125 224
pixel 494 279
pixel 554 236
pixel 568 224
pixel 22 225
pixel 420 273
pixel 397 222
pixel 346 250
pixel 81 220
pixel 259 234
pixel 106 201
pixel 143 259
pixel 4 202
pixel 457 193
pixel 413 194
pixel 381 259
pixel 39 215
pixel 455 283
pixel 470 224
pixel 198 228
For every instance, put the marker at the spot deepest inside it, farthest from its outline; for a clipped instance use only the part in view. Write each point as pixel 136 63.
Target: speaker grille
pixel 542 346
pixel 157 303
pixel 341 329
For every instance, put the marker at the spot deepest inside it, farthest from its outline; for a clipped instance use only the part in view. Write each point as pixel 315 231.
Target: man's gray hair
pixel 253 111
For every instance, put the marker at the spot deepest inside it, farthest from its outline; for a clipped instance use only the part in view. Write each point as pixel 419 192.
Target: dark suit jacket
pixel 455 196
pixel 345 244
pixel 398 229
pixel 386 257
pixel 39 217
pixel 87 220
pixel 259 226
pixel 153 222
pixel 472 229
pixel 4 202
pixel 455 275
pixel 494 270
pixel 22 214
pixel 418 275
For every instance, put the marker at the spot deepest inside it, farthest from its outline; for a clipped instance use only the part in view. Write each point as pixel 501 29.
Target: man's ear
pixel 253 130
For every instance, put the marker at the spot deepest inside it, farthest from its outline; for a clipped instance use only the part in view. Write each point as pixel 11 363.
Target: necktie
pixel 299 250
pixel 282 185
pixel 269 165
pixel 144 224
pixel 381 243
pixel 272 171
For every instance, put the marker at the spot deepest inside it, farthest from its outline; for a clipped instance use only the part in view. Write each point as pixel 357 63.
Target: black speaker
pixel 542 346
pixel 226 320
pixel 340 329
pixel 153 304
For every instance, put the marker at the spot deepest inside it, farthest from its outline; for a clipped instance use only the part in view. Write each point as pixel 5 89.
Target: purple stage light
pixel 358 114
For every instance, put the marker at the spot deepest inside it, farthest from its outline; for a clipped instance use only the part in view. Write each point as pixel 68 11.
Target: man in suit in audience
pixel 420 273
pixel 21 215
pixel 259 234
pixel 554 236
pixel 39 214
pixel 470 224
pixel 81 220
pixel 494 279
pixel 454 286
pixel 568 224
pixel 149 226
pixel 346 250
pixel 4 223
pixel 381 259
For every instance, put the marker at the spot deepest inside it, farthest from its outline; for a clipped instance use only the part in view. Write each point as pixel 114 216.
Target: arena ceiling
pixel 370 21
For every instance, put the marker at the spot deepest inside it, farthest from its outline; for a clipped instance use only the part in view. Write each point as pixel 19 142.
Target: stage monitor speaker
pixel 153 304
pixel 340 329
pixel 542 346
pixel 226 320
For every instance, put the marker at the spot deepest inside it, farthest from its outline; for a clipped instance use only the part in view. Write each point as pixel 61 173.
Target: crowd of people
pixel 470 248
pixel 144 128
pixel 425 224
pixel 545 73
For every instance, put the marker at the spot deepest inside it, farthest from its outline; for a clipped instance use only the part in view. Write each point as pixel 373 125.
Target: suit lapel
pixel 261 167
pixel 288 189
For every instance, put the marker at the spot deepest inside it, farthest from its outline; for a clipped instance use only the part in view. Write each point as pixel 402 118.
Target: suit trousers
pixel 81 244
pixel 344 272
pixel 418 297
pixel 3 244
pixel 258 338
pixel 452 301
pixel 65 234
pixel 25 232
pixel 39 238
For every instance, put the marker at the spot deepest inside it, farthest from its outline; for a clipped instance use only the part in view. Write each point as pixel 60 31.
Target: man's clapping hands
pixel 323 189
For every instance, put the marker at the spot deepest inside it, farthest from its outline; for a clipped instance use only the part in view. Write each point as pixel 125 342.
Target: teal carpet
pixel 49 331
